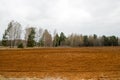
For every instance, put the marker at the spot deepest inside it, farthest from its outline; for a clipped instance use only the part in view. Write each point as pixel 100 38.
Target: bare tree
pixel 10 32
pixel 17 33
pixel 75 40
pixel 119 41
pixel 47 38
pixel 38 36
pixel 14 32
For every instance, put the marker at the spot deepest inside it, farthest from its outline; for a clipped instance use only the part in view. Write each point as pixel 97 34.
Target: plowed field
pixel 72 63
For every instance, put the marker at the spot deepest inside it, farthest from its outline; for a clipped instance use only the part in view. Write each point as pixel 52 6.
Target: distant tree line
pixel 34 37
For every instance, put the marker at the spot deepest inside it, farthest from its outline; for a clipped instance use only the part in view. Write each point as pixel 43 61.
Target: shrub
pixel 20 45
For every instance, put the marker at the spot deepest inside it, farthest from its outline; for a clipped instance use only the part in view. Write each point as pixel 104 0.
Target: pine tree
pixel 5 39
pixel 62 39
pixel 56 40
pixel 31 37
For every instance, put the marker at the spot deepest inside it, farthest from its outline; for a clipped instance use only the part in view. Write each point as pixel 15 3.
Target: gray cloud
pixel 71 16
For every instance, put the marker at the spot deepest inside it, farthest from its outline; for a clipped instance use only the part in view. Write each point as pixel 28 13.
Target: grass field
pixel 70 63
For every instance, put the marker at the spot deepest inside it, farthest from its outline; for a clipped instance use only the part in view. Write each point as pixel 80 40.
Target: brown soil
pixel 86 62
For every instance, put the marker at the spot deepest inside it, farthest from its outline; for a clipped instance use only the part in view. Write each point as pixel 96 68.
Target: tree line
pixel 34 37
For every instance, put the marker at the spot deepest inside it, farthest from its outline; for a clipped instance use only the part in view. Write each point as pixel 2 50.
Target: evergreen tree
pixel 105 40
pixel 31 37
pixel 85 40
pixel 113 41
pixel 56 40
pixel 62 39
pixel 5 39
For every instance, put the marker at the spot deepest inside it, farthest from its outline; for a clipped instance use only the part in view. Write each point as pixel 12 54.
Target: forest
pixel 34 37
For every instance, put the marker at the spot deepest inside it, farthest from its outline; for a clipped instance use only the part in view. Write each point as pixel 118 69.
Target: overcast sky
pixel 70 16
